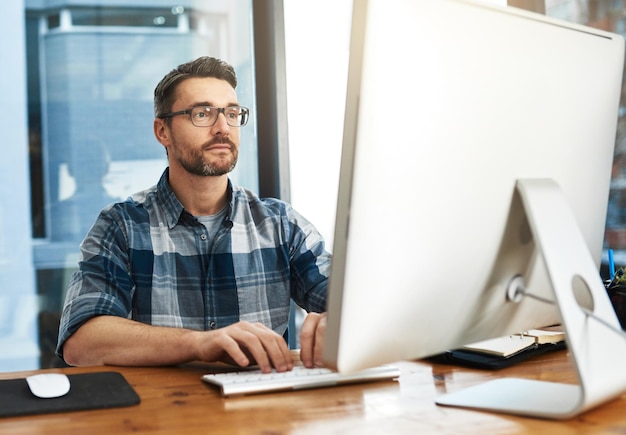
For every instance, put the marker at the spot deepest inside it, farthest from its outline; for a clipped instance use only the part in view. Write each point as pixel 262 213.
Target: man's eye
pixel 202 114
pixel 232 113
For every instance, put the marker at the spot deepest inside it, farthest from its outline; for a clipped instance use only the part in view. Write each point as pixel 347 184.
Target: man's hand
pixel 312 340
pixel 244 344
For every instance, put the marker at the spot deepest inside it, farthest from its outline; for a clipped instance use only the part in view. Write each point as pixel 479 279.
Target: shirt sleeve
pixel 310 264
pixel 102 284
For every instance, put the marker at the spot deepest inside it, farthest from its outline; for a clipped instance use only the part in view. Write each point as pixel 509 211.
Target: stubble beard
pixel 195 162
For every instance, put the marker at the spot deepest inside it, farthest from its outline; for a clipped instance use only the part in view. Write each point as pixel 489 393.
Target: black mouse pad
pixel 87 391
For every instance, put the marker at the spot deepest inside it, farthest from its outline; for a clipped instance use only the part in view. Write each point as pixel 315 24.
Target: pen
pixel 611 265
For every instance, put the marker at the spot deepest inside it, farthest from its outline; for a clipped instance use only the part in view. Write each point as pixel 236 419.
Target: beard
pixel 195 162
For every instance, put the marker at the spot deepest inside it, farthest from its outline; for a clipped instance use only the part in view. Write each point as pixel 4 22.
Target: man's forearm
pixel 114 340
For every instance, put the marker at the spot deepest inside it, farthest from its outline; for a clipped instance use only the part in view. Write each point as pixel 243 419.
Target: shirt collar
pixel 173 208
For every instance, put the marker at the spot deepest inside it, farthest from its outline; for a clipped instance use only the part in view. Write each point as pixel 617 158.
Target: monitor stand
pixel 597 349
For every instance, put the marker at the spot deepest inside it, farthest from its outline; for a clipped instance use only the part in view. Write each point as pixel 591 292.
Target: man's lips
pixel 222 146
pixel 219 146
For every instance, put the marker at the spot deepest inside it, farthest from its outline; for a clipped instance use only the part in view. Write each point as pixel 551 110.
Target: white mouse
pixel 48 385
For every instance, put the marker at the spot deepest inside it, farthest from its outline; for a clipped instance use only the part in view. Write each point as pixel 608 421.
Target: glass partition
pixel 91 70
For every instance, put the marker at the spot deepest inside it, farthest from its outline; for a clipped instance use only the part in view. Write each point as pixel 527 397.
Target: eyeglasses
pixel 206 116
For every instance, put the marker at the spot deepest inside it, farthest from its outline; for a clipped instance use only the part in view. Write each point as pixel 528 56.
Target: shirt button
pixel 212 325
pixel 203 236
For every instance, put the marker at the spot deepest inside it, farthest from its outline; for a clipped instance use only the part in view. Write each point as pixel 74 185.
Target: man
pixel 195 268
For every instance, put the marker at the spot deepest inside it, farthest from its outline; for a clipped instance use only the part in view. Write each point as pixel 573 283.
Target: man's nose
pixel 220 126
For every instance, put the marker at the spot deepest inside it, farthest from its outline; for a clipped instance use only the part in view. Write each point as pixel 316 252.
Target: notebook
pixel 512 344
pixel 255 381
pixel 504 351
pixel 502 346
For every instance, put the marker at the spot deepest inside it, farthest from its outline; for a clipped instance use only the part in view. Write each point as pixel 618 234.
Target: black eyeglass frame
pixel 245 114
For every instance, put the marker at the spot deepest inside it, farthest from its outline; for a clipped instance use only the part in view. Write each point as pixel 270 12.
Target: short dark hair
pixel 205 66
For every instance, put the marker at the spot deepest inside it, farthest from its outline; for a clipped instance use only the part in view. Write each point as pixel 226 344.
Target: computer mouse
pixel 48 385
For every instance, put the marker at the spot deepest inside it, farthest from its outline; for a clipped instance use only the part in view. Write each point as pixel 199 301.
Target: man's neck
pixel 199 195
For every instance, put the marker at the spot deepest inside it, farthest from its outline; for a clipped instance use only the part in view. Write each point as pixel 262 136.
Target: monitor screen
pixel 449 105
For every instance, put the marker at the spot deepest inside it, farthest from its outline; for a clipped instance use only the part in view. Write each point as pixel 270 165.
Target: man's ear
pixel 161 132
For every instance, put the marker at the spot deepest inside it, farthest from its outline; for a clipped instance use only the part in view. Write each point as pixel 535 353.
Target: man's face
pixel 203 151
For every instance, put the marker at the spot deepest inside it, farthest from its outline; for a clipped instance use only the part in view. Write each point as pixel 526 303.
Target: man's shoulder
pixel 135 207
pixel 141 197
pixel 243 197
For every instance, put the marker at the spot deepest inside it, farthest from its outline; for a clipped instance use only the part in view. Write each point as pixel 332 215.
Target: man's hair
pixel 165 92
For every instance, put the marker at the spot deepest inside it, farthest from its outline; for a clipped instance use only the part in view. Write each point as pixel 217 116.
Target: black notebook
pixel 494 362
pixel 87 391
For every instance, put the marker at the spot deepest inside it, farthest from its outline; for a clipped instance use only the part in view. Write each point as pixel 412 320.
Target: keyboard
pixel 255 381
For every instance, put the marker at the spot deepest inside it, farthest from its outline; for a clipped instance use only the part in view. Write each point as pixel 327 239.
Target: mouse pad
pixel 87 391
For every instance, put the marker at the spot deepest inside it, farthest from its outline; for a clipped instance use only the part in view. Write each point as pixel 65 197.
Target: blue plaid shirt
pixel 149 260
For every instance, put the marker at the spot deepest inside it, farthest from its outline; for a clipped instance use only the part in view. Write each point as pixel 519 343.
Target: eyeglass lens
pixel 203 116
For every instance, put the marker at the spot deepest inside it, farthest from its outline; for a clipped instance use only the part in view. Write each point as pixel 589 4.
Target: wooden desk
pixel 174 400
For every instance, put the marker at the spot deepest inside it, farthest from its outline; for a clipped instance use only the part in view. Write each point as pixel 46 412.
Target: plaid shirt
pixel 149 260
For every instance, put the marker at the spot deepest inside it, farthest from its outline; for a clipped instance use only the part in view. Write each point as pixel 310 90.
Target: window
pixel 605 15
pixel 91 73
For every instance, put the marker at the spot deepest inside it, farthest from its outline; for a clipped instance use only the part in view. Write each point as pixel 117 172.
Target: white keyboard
pixel 255 381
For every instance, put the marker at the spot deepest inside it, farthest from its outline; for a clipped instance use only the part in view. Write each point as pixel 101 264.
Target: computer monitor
pixel 474 183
